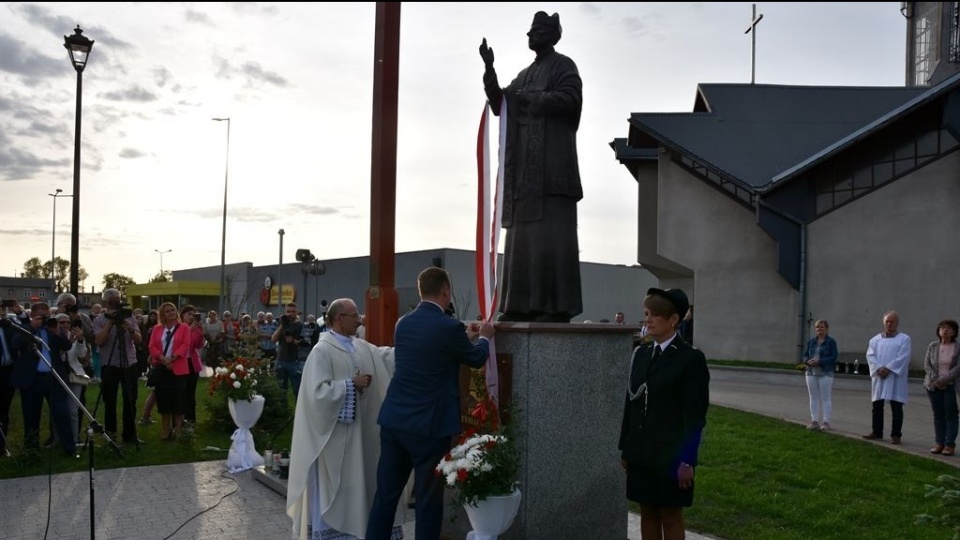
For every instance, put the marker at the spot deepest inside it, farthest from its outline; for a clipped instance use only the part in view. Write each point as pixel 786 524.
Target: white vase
pixel 243 455
pixel 493 516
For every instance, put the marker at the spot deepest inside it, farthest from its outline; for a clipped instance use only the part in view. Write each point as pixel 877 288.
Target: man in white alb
pixel 888 355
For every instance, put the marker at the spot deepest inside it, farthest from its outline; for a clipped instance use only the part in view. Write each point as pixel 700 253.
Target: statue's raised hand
pixel 486 53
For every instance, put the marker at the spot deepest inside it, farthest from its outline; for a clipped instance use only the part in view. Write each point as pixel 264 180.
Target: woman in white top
pixel 942 367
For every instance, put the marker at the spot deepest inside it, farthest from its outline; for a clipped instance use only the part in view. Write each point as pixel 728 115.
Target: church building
pixel 774 206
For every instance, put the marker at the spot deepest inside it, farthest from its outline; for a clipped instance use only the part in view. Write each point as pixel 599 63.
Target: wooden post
pixel 381 297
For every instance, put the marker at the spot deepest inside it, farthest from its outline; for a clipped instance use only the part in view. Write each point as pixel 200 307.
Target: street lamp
pixel 53 238
pixel 279 278
pixel 79 48
pixel 223 234
pixel 161 259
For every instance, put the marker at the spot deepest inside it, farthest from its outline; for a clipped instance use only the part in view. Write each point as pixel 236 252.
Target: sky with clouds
pixel 296 82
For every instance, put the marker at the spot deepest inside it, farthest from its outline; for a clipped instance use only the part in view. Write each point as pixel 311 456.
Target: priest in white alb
pixel 336 439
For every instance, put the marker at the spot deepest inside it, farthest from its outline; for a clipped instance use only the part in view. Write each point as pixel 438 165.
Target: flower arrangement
pixel 483 464
pixel 236 380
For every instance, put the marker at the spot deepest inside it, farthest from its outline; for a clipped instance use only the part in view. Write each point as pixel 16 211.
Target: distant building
pixel 606 288
pixel 27 290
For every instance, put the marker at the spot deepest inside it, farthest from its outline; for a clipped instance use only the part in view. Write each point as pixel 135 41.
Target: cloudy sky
pixel 296 81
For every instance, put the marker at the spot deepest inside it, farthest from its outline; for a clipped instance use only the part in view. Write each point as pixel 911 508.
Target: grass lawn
pixel 763 478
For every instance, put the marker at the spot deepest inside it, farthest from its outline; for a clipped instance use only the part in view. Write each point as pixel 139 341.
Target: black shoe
pixel 134 441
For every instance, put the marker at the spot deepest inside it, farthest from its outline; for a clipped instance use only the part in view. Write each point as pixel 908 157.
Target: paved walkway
pixel 203 501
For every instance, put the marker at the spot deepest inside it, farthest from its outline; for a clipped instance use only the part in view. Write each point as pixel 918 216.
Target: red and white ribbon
pixel 489 214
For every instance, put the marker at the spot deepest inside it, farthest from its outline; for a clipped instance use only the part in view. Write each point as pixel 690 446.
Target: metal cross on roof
pixel 753 49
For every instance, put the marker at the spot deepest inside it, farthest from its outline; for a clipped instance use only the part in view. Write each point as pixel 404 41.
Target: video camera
pixel 120 315
pixel 285 324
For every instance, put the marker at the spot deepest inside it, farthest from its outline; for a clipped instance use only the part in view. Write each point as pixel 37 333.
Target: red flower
pixel 461 475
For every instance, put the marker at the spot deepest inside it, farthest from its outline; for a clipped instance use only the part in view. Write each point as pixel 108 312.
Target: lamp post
pixel 79 48
pixel 223 234
pixel 280 278
pixel 161 259
pixel 53 238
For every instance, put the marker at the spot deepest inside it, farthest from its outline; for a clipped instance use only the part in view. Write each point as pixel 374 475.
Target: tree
pixel 33 268
pixel 161 277
pixel 117 281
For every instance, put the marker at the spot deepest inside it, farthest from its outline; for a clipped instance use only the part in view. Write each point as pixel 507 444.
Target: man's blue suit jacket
pixel 424 396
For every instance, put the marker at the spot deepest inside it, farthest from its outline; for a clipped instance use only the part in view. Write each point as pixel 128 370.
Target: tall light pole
pixel 223 234
pixel 79 48
pixel 161 259
pixel 279 278
pixel 53 238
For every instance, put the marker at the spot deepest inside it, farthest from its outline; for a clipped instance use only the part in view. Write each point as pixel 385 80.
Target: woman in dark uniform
pixel 663 418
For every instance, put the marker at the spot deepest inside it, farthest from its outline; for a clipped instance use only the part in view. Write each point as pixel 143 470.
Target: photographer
pixel 287 337
pixel 77 357
pixel 117 335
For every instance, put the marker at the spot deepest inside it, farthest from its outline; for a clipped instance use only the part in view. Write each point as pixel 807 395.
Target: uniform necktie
pixel 654 358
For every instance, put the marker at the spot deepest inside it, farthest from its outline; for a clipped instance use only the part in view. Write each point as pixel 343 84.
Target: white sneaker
pixel 814 426
pixel 825 426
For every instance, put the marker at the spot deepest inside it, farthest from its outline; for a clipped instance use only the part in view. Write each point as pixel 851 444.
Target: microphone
pixel 7 323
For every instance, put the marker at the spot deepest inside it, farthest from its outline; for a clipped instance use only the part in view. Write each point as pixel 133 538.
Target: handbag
pixel 76 378
pixel 153 376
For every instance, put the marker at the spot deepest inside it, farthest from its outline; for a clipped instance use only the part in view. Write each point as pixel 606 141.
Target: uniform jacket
pixel 663 427
pixel 424 395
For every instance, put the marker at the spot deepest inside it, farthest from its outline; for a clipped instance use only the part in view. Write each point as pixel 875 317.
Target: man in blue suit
pixel 421 412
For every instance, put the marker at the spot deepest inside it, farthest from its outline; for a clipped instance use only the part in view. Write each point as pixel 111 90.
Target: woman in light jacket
pixel 170 347
pixel 820 356
pixel 941 367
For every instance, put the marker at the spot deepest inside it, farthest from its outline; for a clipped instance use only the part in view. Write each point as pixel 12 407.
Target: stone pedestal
pixel 568 386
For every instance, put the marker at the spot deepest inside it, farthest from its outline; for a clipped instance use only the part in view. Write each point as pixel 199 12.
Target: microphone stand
pixel 93 427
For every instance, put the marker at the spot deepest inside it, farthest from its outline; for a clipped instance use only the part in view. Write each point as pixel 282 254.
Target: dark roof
pixel 755 133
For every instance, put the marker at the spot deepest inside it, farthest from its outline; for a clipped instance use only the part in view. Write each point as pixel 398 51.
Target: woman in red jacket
pixel 170 344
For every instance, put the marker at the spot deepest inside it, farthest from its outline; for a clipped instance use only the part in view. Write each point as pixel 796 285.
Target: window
pixel 883 162
pixel 42 293
pixel 954 51
pixel 26 293
pixel 926 41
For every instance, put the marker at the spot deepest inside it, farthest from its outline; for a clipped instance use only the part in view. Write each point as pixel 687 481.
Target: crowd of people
pixel 113 348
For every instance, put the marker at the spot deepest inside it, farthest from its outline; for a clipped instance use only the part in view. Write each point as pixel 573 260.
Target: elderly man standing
pixel 336 441
pixel 117 334
pixel 888 355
